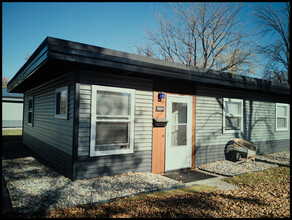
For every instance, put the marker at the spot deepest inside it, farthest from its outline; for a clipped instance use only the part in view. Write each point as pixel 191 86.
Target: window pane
pixel 58 98
pixel 281 110
pixel 30 105
pixel 63 102
pixel 111 147
pixel 112 133
pixel 29 117
pixel 112 103
pixel 281 123
pixel 233 108
pixel 179 135
pixel 232 123
pixel 179 113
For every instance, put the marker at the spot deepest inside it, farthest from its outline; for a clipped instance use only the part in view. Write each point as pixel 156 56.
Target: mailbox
pixel 159 122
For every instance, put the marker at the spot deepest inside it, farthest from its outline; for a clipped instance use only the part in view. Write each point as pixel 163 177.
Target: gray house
pixel 12 109
pixel 91 111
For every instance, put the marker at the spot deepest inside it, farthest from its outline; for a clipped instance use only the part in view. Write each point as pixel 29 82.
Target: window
pixel 281 117
pixel 30 111
pixel 112 121
pixel 232 115
pixel 179 124
pixel 61 102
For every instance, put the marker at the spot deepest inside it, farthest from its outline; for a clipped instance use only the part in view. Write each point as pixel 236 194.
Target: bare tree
pixel 202 35
pixel 274 23
pixel 5 82
pixel 144 50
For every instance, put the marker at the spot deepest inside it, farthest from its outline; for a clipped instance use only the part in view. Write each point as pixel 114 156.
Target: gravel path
pixel 34 187
pixel 262 162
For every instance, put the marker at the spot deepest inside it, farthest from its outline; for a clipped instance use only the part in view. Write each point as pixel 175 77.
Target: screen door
pixel 178 149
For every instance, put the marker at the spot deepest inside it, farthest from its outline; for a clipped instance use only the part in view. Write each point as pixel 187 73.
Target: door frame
pixel 158 138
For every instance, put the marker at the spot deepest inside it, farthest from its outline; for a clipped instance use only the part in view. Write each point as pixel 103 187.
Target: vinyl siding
pixel 259 121
pixel 140 160
pixel 12 114
pixel 50 137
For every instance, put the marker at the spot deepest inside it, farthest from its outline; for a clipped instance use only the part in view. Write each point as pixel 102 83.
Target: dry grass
pixel 262 195
pixel 14 132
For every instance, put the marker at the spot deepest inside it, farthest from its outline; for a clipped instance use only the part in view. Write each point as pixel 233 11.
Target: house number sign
pixel 160 108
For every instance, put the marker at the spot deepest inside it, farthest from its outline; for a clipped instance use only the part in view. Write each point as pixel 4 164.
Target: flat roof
pixel 54 49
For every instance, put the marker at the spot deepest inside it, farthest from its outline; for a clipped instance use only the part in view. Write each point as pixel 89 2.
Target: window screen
pixel 112 103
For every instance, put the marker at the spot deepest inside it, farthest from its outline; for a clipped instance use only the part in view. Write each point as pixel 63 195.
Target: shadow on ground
pixel 189 175
pixel 13 148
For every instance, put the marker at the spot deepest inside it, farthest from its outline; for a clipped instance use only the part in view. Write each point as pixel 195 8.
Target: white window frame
pixel 241 115
pixel 286 117
pixel 94 89
pixel 60 90
pixel 32 111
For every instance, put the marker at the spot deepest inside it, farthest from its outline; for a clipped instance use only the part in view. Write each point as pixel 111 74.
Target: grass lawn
pixel 261 195
pixel 272 176
pixel 14 132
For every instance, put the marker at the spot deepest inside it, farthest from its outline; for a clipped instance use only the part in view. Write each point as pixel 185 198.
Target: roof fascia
pixel 83 53
pixel 31 65
pixel 54 48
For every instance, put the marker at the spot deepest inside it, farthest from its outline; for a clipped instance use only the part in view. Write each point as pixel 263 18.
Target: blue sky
pixel 110 25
